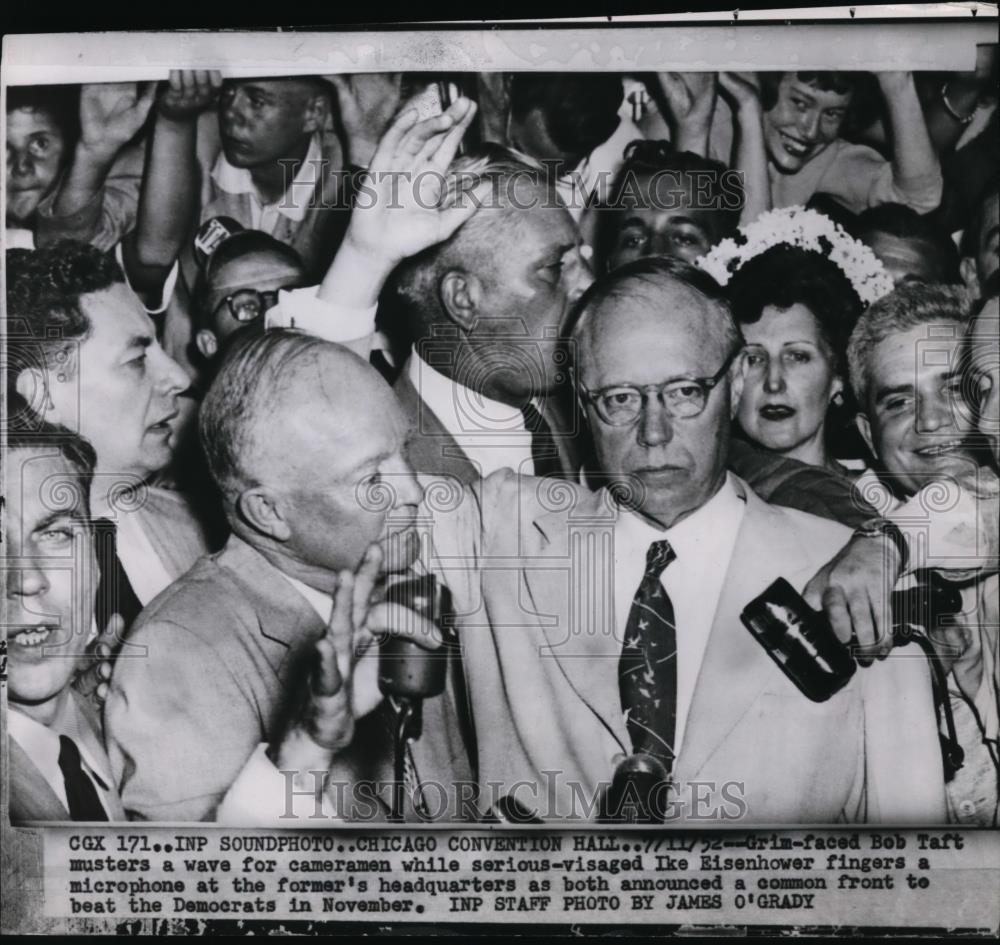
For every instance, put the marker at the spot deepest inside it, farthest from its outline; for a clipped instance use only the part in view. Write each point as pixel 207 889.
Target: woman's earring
pixel 837 399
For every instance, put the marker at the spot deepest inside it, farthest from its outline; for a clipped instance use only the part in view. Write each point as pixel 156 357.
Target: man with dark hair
pixel 667 203
pixel 83 353
pixel 238 283
pixel 910 246
pixel 279 165
pixel 803 116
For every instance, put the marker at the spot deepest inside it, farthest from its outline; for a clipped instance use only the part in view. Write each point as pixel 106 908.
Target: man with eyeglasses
pixel 600 630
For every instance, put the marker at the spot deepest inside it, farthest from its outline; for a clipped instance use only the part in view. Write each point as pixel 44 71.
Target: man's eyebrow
pixel 257 89
pixel 56 516
pixel 690 221
pixel 634 221
pixel 884 392
pixel 139 341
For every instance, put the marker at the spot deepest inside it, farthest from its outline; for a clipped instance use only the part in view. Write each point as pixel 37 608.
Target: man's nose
pixel 581 277
pixel 172 377
pixel 231 109
pixel 26 579
pixel 408 490
pixel 933 413
pixel 774 379
pixel 655 425
pixel 660 244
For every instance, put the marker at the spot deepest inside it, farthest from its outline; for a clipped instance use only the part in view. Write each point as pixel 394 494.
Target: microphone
pixel 408 674
pixel 638 792
pixel 407 670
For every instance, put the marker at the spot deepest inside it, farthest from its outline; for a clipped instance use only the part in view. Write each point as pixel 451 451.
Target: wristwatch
pixel 883 528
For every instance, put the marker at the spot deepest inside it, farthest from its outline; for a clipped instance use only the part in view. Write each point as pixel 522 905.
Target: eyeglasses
pixel 245 305
pixel 685 398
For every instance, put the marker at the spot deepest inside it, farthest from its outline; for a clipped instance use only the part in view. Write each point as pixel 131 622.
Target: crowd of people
pixel 605 355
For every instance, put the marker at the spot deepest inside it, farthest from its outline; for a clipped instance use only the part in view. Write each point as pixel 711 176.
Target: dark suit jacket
pixel 224 651
pixel 31 797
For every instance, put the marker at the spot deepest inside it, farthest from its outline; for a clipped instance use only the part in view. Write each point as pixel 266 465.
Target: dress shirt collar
pixel 237 180
pixel 462 412
pixel 41 744
pixel 695 536
pixel 320 601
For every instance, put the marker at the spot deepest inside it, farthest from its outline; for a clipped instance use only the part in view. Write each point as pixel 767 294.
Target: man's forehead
pixel 651 321
pixel 252 268
pixel 117 317
pixel 926 350
pixel 26 121
pixel 39 478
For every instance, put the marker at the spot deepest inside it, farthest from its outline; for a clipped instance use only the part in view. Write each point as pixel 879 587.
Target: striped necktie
pixel 647 670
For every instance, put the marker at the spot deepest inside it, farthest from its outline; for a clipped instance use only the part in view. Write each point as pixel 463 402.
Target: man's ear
pixel 737 378
pixel 967 268
pixel 865 429
pixel 460 293
pixel 33 385
pixel 315 115
pixel 262 511
pixel 206 342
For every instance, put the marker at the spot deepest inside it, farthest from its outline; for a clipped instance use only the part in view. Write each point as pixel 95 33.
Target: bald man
pixel 305 442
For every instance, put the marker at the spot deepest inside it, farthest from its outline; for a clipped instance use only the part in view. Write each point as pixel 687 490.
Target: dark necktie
pixel 115 594
pixel 647 670
pixel 81 796
pixel 544 453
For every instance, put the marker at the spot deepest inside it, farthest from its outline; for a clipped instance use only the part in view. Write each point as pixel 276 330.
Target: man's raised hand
pixel 343 679
pixel 187 92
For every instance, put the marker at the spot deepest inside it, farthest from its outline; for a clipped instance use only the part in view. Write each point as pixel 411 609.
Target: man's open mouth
pixel 32 636
pixel 941 449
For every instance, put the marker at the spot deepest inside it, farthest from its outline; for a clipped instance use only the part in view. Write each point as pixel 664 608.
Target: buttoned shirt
pixel 291 205
pixel 703 543
pixel 41 744
pixel 491 434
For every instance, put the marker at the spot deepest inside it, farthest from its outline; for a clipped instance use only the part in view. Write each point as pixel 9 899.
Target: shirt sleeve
pixel 263 796
pixel 860 178
pixel 106 218
pixel 952 529
pixel 353 328
pixel 153 306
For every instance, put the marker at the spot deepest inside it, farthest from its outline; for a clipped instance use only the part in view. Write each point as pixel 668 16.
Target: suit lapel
pixel 735 667
pixel 573 596
pixel 31 798
pixel 433 449
pixel 285 617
